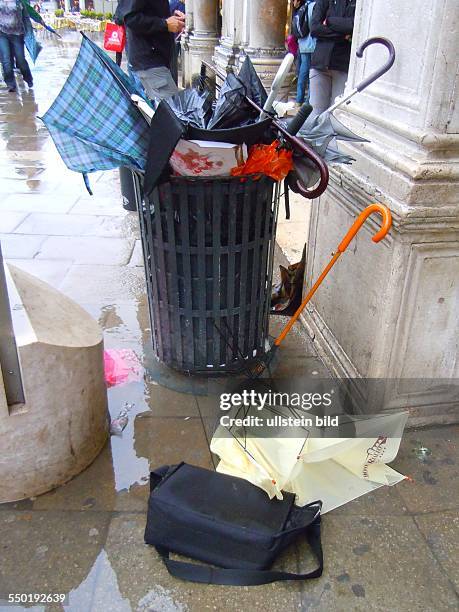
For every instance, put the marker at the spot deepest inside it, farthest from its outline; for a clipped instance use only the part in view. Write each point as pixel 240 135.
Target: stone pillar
pixel 234 34
pixel 391 310
pixel 266 21
pixel 204 37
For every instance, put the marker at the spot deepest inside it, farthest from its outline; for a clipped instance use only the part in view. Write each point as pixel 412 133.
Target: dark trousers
pixel 11 47
pixel 302 90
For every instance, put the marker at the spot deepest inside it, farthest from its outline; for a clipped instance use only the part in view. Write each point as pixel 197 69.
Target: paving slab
pixel 52 271
pixel 9 220
pixel 100 205
pixel 122 226
pixel 55 224
pixel 88 249
pixel 441 531
pixel 144 582
pixel 435 477
pixel 15 246
pixel 378 563
pixel 50 551
pixel 104 284
pixel 38 202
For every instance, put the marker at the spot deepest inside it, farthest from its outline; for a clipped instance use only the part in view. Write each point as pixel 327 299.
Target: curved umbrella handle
pixel 387 66
pixel 301 147
pixel 366 212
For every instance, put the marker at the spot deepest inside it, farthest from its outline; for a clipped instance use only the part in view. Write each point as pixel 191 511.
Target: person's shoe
pixel 29 84
pixel 12 89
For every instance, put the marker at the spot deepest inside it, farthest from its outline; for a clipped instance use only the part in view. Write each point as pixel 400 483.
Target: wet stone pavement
pixel 395 549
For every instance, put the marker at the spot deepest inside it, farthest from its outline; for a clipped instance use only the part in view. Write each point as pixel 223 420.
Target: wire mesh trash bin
pixel 208 248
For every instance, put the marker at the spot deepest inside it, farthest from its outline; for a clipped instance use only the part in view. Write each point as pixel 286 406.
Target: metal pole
pixel 9 357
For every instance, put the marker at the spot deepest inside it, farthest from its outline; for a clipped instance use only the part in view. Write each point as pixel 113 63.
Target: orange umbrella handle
pixel 369 210
pixel 366 212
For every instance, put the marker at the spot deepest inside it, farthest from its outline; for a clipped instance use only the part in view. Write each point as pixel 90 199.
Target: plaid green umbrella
pixel 93 122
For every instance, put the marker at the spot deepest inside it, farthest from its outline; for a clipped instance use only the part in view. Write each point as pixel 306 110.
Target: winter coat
pixel 333 51
pixel 149 43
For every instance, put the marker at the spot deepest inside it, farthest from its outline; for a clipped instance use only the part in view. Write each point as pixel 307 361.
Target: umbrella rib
pixel 119 82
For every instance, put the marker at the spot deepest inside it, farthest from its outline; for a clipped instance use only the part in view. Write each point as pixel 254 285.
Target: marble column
pixel 204 37
pixel 266 30
pixel 256 28
pixel 392 310
pixel 234 34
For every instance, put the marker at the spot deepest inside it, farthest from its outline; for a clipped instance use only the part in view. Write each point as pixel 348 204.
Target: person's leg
pixel 301 85
pixel 307 61
pixel 339 79
pixel 158 82
pixel 21 62
pixel 6 60
pixel 320 85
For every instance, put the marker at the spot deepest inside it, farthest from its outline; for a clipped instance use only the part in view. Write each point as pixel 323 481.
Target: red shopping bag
pixel 115 37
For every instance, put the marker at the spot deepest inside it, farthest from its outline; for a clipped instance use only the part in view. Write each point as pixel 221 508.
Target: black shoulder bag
pixel 227 522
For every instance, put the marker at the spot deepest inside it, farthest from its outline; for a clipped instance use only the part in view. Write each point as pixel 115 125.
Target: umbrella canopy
pixel 192 107
pixel 315 465
pixel 232 109
pixel 93 122
pixel 320 133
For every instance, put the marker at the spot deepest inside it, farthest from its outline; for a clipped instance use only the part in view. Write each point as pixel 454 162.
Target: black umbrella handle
pixel 295 124
pixel 376 40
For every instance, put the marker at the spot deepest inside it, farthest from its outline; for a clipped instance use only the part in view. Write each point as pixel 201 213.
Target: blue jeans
pixel 12 46
pixel 304 63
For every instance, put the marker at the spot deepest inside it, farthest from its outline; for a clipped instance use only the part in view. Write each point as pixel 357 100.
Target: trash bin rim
pixel 244 178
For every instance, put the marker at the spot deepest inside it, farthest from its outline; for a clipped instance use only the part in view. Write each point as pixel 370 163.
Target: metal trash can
pixel 131 188
pixel 208 248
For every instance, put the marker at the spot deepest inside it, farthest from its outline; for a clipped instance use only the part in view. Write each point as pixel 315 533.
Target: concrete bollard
pixel 63 424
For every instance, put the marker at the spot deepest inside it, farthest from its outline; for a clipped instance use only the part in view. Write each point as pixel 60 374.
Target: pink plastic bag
pixel 121 366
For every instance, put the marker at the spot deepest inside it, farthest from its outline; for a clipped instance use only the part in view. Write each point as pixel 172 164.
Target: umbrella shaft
pixel 342 101
pixel 303 304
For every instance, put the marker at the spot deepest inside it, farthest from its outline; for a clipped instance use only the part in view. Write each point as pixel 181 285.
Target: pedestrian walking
pixel 12 45
pixel 150 29
pixel 302 9
pixel 332 24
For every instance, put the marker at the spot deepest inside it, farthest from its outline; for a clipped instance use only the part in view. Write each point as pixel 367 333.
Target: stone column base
pixel 266 62
pixel 387 310
pixel 199 48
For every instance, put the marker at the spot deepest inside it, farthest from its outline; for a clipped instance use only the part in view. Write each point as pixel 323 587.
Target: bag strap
pixel 242 577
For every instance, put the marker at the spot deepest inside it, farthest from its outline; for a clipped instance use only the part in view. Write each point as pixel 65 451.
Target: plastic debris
pixel 421 451
pixel 121 366
pixel 119 423
pixel 272 160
